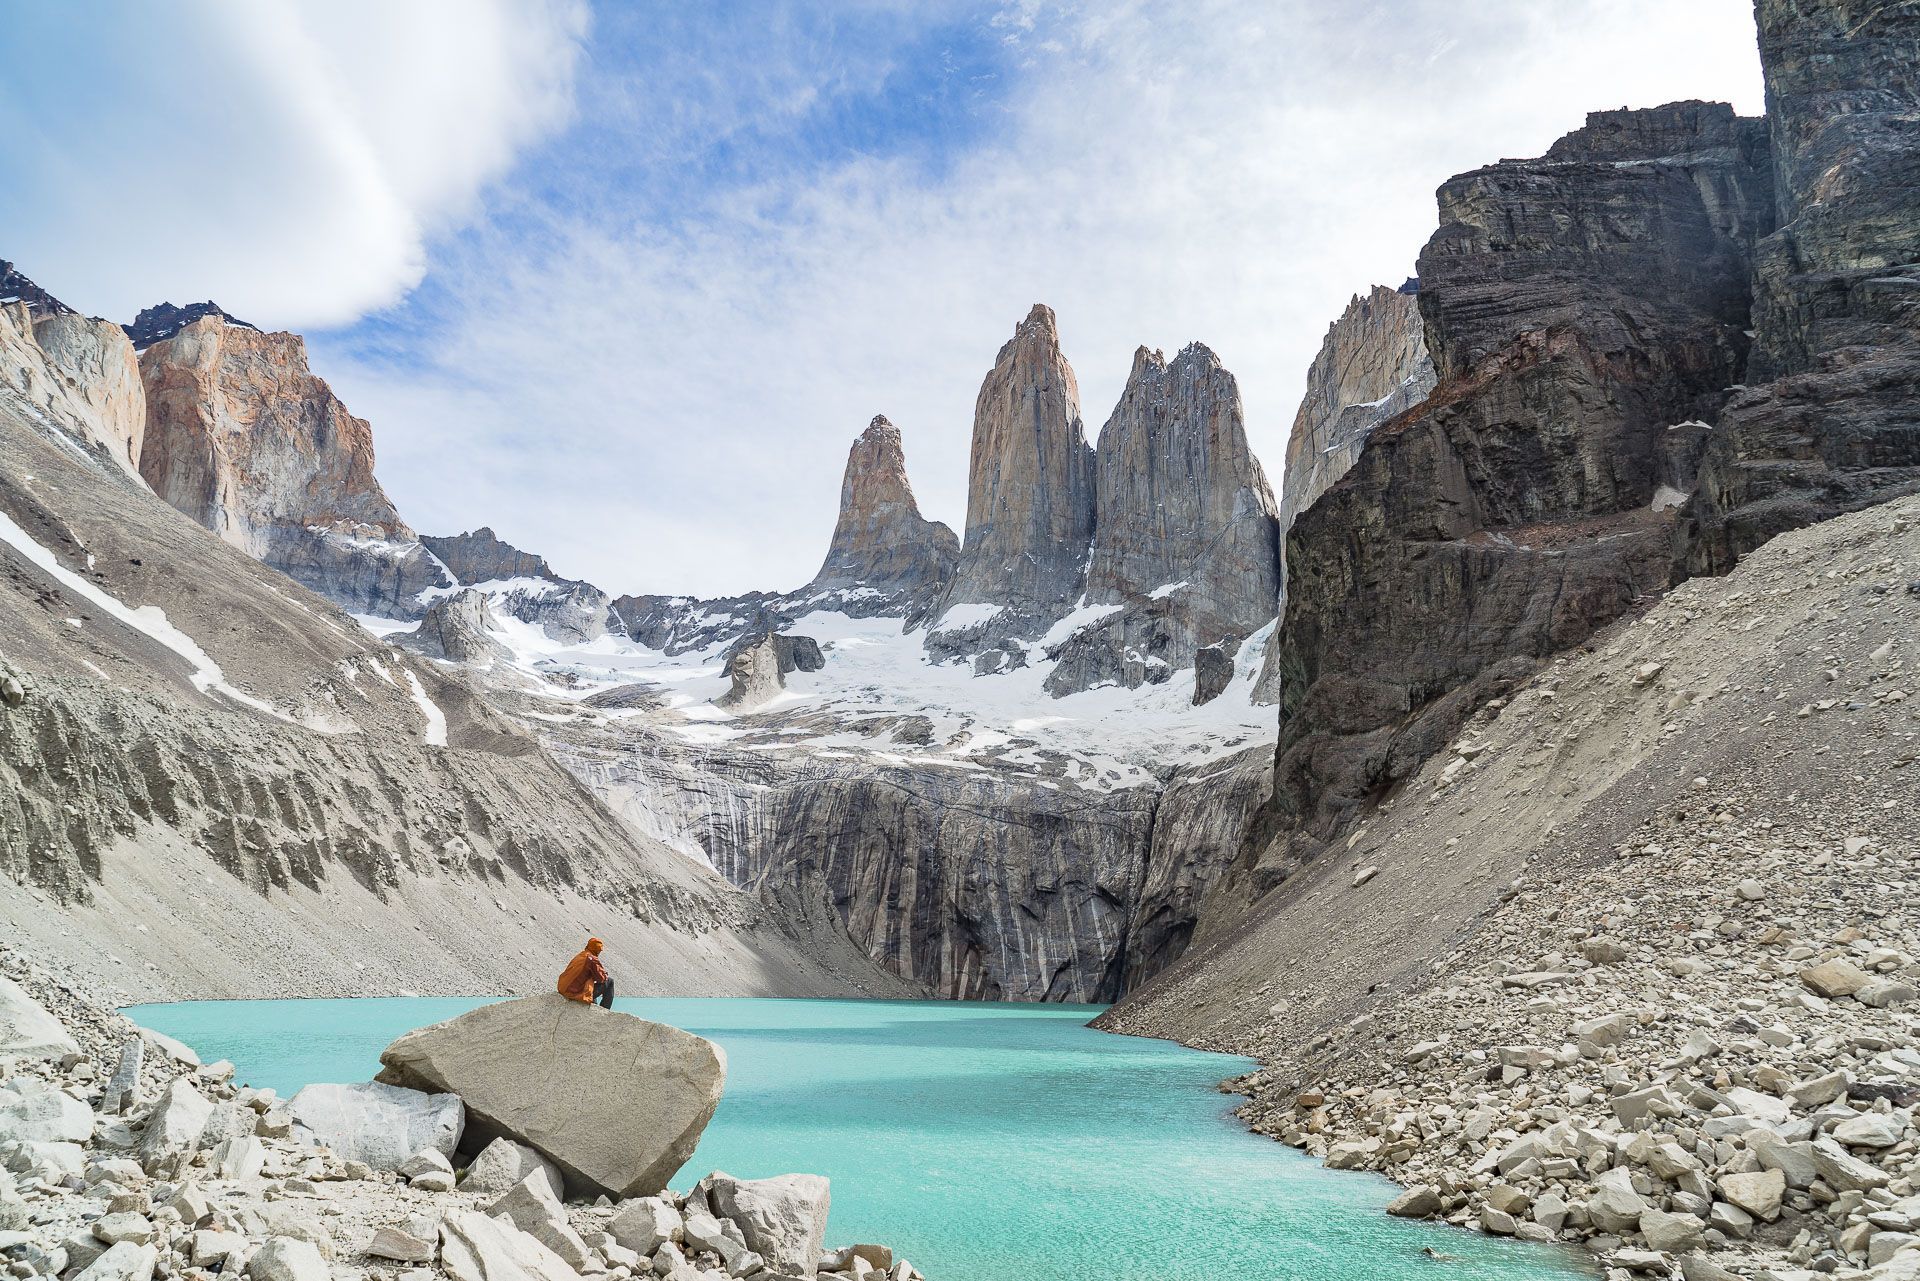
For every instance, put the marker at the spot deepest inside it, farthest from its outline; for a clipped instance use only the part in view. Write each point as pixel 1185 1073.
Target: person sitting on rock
pixel 585 979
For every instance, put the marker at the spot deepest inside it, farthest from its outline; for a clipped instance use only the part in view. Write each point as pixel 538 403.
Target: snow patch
pixel 436 734
pixel 149 620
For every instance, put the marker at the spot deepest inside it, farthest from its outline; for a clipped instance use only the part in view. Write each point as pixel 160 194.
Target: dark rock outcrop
pixel 1578 308
pixel 1212 673
pixel 881 542
pixel 1186 541
pixel 1829 420
pixel 245 440
pixel 1030 494
pixel 155 324
pixel 480 557
pixel 16 287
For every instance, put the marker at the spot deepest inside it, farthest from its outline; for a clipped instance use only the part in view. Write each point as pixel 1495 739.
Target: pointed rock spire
pixel 1030 489
pixel 880 539
pixel 1182 499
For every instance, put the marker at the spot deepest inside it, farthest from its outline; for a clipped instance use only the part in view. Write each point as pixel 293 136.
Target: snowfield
pixel 877 685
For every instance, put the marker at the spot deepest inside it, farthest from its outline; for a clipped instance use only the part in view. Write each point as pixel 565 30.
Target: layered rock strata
pixel 1585 312
pixel 1827 421
pixel 980 884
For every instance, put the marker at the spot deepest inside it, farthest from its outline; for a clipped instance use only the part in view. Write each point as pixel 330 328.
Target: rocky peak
pixel 15 287
pixel 1181 498
pixel 480 557
pixel 160 322
pixel 1030 485
pixel 244 439
pixel 1187 541
pixel 880 539
pixel 78 373
pixel 1372 364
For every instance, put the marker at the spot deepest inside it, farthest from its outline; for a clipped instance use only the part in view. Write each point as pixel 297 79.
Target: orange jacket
pixel 582 972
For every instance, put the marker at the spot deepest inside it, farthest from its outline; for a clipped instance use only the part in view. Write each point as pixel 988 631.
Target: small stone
pixel 400 1246
pixel 1417 1202
pixel 1835 978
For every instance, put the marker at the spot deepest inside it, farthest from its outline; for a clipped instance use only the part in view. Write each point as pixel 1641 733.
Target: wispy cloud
pixel 767 223
pixel 289 160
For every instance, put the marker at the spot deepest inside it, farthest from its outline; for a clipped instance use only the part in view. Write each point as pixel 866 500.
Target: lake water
pixel 984 1142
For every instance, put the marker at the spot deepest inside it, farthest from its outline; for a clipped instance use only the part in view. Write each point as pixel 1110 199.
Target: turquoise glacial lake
pixel 985 1142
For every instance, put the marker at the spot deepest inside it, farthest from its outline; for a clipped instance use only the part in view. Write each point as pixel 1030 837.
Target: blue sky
pixel 623 281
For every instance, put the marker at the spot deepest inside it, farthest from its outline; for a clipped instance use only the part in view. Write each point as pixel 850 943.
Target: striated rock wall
pixel 1030 489
pixel 1186 539
pixel 880 539
pixel 981 885
pixel 1581 309
pixel 1827 421
pixel 245 440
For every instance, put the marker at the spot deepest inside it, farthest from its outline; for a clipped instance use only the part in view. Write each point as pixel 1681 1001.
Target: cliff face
pixel 245 440
pixel 983 886
pixel 75 372
pixel 1185 518
pixel 1585 311
pixel 1030 496
pixel 1827 421
pixel 880 539
pixel 1372 366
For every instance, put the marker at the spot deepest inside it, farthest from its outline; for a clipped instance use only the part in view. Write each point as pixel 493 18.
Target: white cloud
pixel 669 409
pixel 289 160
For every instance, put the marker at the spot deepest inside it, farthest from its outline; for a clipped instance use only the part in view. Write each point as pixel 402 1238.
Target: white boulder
pixel 474 1247
pixel 27 1031
pixel 503 1163
pixel 784 1219
pixel 380 1125
pixel 36 1112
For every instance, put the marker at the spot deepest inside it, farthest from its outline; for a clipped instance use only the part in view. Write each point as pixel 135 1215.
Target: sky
pixel 623 281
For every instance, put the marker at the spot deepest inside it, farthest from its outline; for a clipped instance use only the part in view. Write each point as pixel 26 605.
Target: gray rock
pixel 1758 1192
pixel 31 1110
pixel 518 1064
pixel 503 1163
pixel 27 1030
pixel 380 1124
pixel 400 1246
pixel 123 1088
pixel 532 1206
pixel 284 1258
pixel 784 1219
pixel 1418 1202
pixel 644 1224
pixel 1843 1171
pixel 1671 1233
pixel 474 1247
pixel 127 1261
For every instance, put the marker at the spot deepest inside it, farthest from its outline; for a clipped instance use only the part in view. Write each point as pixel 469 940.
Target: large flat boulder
pixel 382 1125
pixel 27 1031
pixel 616 1102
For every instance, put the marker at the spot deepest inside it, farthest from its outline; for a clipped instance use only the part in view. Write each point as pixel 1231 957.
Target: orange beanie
pixel 594 946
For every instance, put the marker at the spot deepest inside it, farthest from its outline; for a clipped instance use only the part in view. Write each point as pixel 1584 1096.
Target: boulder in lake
pixel 380 1124
pixel 616 1102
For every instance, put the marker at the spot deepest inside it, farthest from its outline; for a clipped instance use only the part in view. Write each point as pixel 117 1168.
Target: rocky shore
pixel 1653 987
pixel 123 1157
